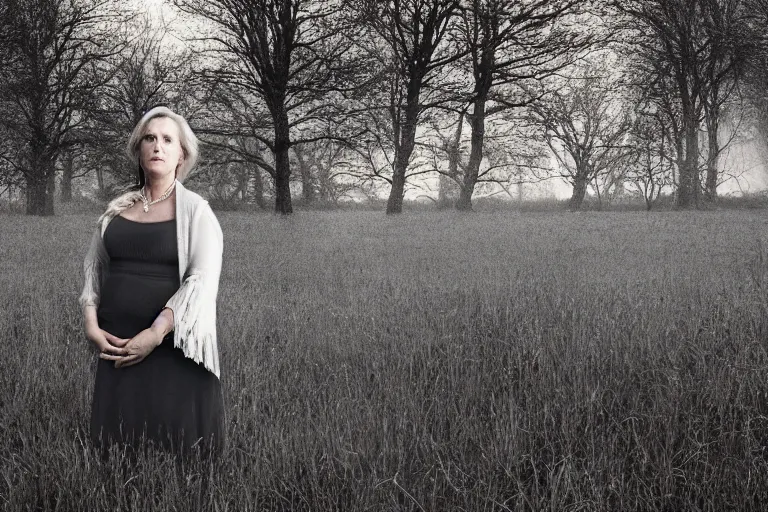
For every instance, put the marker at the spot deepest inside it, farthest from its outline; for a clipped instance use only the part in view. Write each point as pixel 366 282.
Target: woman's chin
pixel 155 171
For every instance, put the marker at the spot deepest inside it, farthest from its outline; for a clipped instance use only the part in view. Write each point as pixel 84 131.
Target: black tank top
pixel 142 274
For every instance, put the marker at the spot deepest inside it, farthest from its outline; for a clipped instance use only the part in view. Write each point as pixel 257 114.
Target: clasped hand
pixel 125 351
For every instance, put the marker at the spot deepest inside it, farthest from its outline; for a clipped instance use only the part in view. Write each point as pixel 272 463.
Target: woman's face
pixel 160 148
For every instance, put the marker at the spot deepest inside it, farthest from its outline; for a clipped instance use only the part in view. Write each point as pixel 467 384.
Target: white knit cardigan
pixel 200 247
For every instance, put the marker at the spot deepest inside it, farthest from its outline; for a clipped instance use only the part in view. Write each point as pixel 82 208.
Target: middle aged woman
pixel 149 302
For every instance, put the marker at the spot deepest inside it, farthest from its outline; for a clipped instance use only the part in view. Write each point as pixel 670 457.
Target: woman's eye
pixel 167 139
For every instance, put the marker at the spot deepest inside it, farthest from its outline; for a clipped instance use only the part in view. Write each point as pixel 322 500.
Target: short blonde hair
pixel 187 139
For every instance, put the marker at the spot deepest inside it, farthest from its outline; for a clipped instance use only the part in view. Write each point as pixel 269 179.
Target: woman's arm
pixel 163 324
pixel 89 317
pixel 93 268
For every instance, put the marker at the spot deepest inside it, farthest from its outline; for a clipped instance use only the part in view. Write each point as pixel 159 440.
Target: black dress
pixel 169 399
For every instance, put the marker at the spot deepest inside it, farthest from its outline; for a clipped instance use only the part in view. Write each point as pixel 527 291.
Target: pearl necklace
pixel 148 203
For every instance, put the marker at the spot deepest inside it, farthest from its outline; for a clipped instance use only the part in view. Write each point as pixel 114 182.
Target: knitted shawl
pixel 200 247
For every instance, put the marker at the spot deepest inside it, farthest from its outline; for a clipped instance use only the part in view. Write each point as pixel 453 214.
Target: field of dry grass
pixel 433 361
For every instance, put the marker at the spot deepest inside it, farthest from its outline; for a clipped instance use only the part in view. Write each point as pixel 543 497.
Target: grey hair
pixel 187 139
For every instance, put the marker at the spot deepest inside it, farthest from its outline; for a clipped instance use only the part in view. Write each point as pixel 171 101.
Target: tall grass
pixel 434 361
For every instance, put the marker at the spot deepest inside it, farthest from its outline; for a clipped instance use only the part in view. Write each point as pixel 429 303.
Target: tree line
pixel 349 98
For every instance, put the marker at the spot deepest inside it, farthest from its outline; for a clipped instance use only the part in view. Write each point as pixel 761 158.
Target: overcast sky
pixel 741 159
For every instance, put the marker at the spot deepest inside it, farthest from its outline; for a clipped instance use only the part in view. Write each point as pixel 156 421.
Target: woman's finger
pixel 111 349
pixel 126 361
pixel 129 362
pixel 114 340
pixel 115 357
pixel 114 351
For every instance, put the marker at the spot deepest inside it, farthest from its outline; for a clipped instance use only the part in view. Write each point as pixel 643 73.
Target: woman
pixel 149 301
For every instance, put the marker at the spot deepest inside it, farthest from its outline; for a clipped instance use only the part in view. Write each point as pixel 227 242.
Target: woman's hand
pixel 136 349
pixel 105 342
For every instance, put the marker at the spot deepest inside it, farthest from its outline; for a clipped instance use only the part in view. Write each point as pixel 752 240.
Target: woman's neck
pixel 156 188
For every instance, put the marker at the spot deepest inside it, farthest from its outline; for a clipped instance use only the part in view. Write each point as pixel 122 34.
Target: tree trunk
pixel 324 185
pixel 443 192
pixel 307 185
pixel 679 164
pixel 406 145
pixel 41 185
pixel 650 191
pixel 100 180
pixel 242 185
pixel 66 177
pixel 38 200
pixel 396 193
pixel 477 124
pixel 282 162
pixel 579 190
pixel 50 190
pixel 258 189
pixel 464 202
pixel 687 195
pixel 596 187
pixel 688 188
pixel 405 141
pixel 454 155
pixel 713 157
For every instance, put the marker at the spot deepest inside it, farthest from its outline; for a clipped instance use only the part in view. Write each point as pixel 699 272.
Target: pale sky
pixel 745 159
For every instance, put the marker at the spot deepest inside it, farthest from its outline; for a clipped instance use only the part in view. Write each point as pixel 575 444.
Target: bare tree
pixel 11 177
pixel 512 45
pixel 670 40
pixel 68 173
pixel 756 70
pixel 289 55
pixel 56 50
pixel 377 112
pixel 232 129
pixel 699 44
pixel 585 124
pixel 324 169
pixel 652 161
pixel 731 43
pixel 417 35
pixel 512 154
pixel 450 137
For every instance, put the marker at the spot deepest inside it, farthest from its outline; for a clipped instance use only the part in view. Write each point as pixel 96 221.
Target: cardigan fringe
pixel 196 337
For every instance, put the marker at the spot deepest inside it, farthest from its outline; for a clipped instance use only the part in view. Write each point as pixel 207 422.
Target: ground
pixel 428 361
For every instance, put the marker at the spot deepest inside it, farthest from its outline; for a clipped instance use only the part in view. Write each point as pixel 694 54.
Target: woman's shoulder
pixel 122 202
pixel 200 213
pixel 193 198
pixel 195 201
